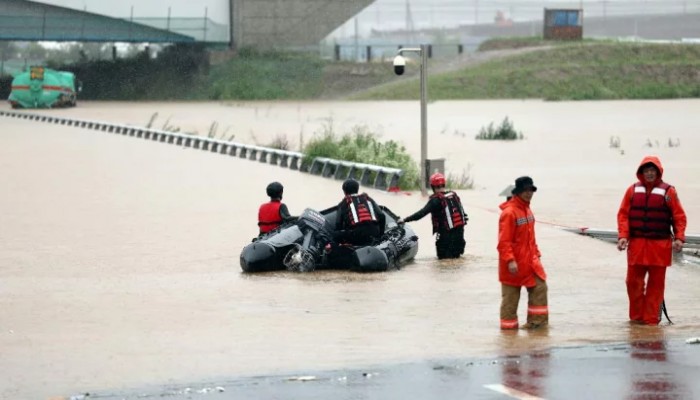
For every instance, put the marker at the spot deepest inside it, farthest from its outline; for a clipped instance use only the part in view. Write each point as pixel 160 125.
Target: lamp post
pixel 399 67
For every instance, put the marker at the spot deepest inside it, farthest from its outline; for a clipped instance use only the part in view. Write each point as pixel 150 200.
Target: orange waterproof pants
pixel 646 297
pixel 537 309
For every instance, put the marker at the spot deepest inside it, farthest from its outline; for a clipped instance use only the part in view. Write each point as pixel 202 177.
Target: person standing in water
pixel 651 225
pixel 519 260
pixel 448 216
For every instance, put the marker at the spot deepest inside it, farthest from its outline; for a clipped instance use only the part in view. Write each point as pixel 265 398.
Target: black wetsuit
pixel 449 243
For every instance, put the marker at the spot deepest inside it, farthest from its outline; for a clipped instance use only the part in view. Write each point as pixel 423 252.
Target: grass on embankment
pixel 571 72
pixel 563 70
pixel 266 76
pixel 276 75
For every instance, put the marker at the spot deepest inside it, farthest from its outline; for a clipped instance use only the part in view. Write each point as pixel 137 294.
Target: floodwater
pixel 119 256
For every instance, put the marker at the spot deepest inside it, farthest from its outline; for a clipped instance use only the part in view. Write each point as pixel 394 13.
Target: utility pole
pixel 409 23
pixel 231 23
pixel 168 24
pixel 605 10
pixel 422 51
pixel 357 44
pixel 131 21
pixel 206 11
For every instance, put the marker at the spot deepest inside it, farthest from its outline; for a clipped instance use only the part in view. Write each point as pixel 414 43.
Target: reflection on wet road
pixel 657 368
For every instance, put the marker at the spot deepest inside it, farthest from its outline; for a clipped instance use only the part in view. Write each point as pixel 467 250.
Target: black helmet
pixel 351 186
pixel 275 189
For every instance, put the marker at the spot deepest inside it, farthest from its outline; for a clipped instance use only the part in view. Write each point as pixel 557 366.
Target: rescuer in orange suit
pixel 519 260
pixel 273 213
pixel 651 224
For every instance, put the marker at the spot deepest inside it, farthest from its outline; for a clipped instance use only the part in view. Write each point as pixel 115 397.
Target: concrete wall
pixel 285 23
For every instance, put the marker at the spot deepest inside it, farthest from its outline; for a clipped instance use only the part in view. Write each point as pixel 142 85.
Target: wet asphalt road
pixel 639 370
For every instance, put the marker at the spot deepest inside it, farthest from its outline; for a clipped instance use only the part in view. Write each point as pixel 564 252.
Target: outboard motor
pixel 303 257
pixel 265 253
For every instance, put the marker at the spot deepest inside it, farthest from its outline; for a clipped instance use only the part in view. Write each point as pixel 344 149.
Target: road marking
pixel 512 392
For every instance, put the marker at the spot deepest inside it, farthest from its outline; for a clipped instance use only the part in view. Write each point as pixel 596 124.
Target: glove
pixel 513 267
pixel 622 244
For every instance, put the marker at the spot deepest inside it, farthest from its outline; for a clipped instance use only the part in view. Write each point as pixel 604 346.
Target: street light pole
pixel 424 116
pixel 423 53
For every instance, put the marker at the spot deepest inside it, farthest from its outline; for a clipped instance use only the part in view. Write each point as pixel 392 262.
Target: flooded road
pixel 119 257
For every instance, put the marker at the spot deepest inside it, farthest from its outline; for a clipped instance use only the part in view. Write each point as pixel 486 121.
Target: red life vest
pixel 649 215
pixel 269 216
pixel 360 209
pixel 451 214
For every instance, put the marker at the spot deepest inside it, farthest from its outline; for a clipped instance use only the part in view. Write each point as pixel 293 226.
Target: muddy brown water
pixel 119 257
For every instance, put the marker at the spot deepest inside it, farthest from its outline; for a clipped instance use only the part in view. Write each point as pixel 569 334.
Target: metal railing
pixel 370 175
pixel 367 174
pixel 692 242
pixel 689 254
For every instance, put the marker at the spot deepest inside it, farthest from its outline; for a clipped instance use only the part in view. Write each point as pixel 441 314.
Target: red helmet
pixel 437 179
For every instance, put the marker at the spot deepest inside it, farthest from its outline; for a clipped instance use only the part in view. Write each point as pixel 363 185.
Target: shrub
pixel 280 142
pixel 361 145
pixel 505 131
pixel 463 180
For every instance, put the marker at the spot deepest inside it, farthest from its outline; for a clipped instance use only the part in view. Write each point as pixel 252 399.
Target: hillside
pixel 583 71
pixel 515 68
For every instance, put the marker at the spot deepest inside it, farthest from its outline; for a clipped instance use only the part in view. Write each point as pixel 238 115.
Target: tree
pixel 34 51
pixel 8 51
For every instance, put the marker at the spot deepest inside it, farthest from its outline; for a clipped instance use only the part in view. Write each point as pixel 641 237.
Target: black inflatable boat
pixel 301 246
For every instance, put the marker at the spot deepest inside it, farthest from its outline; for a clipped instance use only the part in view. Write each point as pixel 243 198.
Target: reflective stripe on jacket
pixel 516 241
pixel 360 209
pixel 649 215
pixel 451 214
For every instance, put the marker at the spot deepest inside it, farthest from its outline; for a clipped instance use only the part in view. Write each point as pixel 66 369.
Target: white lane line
pixel 517 394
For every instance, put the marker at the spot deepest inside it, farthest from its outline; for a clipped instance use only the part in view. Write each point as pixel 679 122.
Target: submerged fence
pixel 369 175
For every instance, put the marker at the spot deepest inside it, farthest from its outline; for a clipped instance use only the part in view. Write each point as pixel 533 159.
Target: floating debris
pixel 303 378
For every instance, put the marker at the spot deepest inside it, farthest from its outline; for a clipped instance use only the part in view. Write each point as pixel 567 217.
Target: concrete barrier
pixel 369 175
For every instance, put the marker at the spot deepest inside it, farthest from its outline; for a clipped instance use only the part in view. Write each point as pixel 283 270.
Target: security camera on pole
pixel 399 68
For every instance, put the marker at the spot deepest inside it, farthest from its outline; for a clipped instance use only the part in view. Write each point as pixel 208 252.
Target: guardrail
pixel 611 235
pixel 328 167
pixel 369 175
pixel 692 242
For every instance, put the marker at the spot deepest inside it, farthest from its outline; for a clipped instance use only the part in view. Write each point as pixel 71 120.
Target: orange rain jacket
pixel 516 241
pixel 651 252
